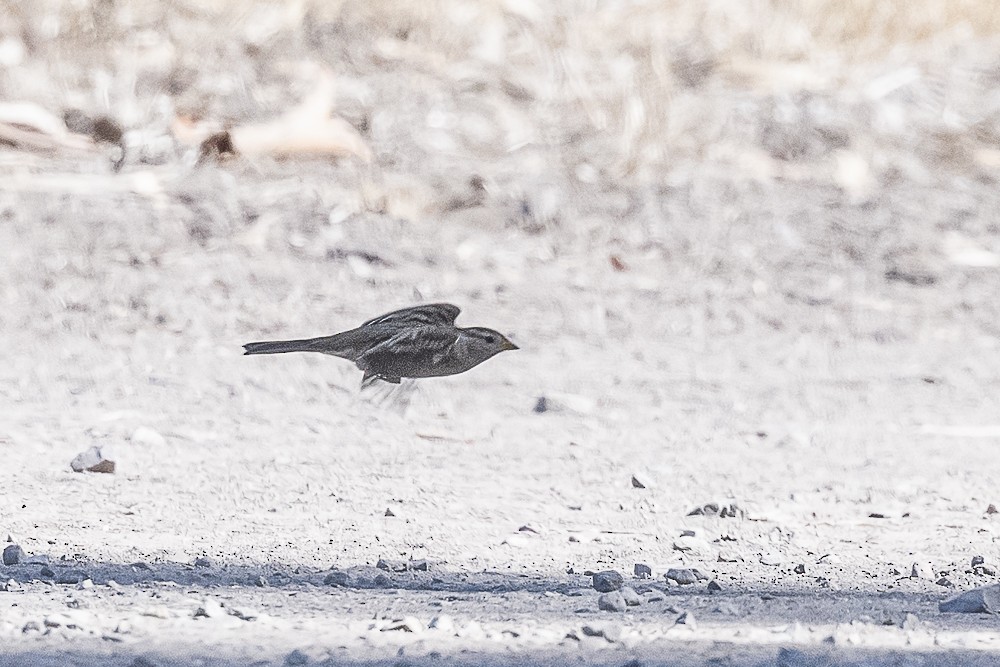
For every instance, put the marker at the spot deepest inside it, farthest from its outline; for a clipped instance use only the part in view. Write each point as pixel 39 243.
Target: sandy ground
pixel 816 351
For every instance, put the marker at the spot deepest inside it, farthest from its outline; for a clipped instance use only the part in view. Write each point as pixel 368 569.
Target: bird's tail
pixel 339 345
pixel 278 346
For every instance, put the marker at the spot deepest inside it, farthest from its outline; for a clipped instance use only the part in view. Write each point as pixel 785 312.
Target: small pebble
pixel 686 618
pixel 977 560
pixel 12 586
pixel 714 587
pixel 406 624
pixel 613 601
pixel 922 570
pixel 209 609
pixel 607 581
pixel 694 546
pixel 260 581
pixel 944 581
pixel 682 576
pixel 642 570
pixel 770 558
pixel 147 436
pixel 95 459
pixel 444 623
pixel 417 565
pixel 983 600
pixel 631 597
pixel 636 484
pixel 70 577
pixel 296 658
pixel 336 578
pixel 800 569
pixel 13 554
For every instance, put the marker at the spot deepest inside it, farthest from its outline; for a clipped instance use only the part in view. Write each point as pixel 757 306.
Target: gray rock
pixel 417 565
pixel 800 569
pixel 13 554
pixel 210 608
pixel 11 586
pixel 203 561
pixel 71 577
pixel 686 618
pixel 391 565
pixel 978 560
pixel 714 587
pixel 336 578
pixel 642 570
pixel 985 570
pixel 47 571
pixel 147 436
pixel 922 570
pixel 613 601
pixel 608 581
pixel 296 658
pixel 983 600
pixel 609 632
pixel 695 546
pixel 143 662
pixel 95 459
pixel 406 624
pixel 260 581
pixel 382 581
pixel 631 597
pixel 682 576
pixel 770 558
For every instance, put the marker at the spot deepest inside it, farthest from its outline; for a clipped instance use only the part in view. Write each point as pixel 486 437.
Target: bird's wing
pixel 409 350
pixel 431 314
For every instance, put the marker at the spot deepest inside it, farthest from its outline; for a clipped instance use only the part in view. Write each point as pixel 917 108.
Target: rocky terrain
pixel 750 258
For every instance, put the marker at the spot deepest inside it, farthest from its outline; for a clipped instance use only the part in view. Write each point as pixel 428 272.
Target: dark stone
pixel 13 554
pixel 336 578
pixel 613 601
pixel 608 581
pixel 682 576
pixel 983 600
pixel 642 570
pixel 714 587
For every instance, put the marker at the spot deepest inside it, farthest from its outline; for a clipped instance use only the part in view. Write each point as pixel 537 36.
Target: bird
pixel 415 342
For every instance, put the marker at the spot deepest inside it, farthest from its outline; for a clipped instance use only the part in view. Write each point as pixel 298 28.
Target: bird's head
pixel 484 343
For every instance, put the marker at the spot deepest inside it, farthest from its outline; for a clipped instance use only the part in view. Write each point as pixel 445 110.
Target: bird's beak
pixel 507 345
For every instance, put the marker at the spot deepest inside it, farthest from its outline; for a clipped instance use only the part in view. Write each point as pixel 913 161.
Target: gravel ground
pixel 765 352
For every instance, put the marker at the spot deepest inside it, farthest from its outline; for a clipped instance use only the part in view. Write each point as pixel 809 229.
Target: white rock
pixel 443 622
pixel 147 436
pixel 922 570
pixel 95 459
pixel 694 546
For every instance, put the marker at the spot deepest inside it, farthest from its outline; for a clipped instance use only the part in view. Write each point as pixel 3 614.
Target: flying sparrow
pixel 417 342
